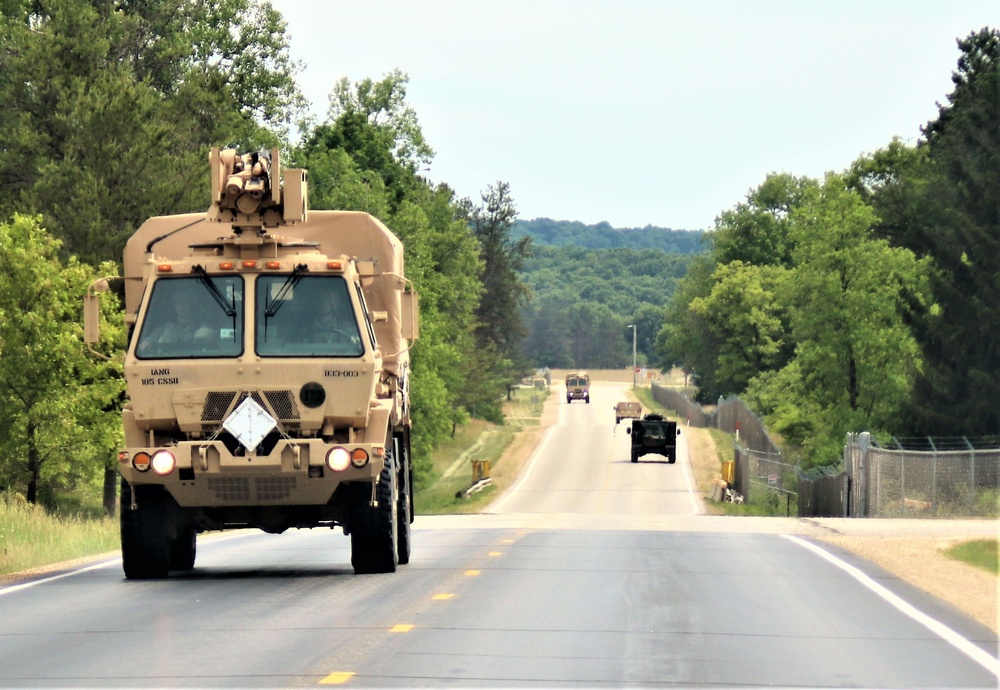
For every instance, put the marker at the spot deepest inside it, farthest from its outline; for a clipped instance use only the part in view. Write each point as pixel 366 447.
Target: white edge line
pixel 95 566
pixel 940 629
pixel 495 507
pixel 696 505
pixel 53 578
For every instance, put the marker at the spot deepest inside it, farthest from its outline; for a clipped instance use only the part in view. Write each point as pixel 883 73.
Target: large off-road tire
pixel 183 548
pixel 404 506
pixel 374 529
pixel 145 542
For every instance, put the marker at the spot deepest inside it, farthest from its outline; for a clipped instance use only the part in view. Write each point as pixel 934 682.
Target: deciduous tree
pixel 61 424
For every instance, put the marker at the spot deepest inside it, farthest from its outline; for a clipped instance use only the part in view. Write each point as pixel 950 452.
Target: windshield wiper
pixel 213 289
pixel 275 303
pixel 220 299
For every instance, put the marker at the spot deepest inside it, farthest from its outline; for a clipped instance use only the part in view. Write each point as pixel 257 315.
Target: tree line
pixel 107 113
pixel 866 300
pixel 562 233
pixel 583 301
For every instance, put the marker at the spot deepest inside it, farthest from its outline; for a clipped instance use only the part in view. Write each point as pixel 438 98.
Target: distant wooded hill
pixel 589 282
pixel 562 233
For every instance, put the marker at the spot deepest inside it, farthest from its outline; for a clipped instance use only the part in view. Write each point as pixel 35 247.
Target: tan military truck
pixel 627 409
pixel 267 372
pixel 578 386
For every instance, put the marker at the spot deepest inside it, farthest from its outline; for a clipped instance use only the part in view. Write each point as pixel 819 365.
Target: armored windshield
pixel 305 316
pixel 193 317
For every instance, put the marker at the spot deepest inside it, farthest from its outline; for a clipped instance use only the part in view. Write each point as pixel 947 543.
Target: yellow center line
pixel 404 627
pixel 443 597
pixel 337 678
pixel 471 573
pixel 495 553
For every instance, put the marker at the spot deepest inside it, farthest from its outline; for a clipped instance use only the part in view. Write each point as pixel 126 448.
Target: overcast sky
pixel 642 112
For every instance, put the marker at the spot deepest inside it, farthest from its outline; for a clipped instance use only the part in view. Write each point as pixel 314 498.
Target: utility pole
pixel 634 371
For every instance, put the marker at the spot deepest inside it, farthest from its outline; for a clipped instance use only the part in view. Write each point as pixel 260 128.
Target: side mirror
pixel 628 431
pixel 92 311
pixel 409 320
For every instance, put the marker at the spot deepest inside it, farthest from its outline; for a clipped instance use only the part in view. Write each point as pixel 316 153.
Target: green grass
pixel 478 440
pixel 981 553
pixel 31 537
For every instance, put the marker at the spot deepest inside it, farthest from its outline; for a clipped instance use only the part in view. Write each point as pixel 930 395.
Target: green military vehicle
pixel 654 434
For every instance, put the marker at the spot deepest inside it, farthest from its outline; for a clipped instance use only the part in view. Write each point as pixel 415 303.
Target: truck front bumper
pixel 207 474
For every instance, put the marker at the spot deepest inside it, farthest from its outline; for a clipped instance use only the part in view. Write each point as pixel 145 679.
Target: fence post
pixel 902 481
pixel 864 444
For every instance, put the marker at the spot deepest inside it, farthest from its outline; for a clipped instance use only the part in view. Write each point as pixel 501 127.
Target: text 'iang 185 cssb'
pixel 267 373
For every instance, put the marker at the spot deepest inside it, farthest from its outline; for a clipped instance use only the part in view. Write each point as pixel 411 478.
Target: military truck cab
pixel 578 387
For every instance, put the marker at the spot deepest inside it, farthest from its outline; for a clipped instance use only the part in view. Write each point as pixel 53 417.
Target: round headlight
pixel 338 459
pixel 163 462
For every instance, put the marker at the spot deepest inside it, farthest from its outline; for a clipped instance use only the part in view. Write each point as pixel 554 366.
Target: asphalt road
pixel 594 572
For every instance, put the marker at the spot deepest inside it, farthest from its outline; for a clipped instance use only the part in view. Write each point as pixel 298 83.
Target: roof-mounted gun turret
pixel 250 192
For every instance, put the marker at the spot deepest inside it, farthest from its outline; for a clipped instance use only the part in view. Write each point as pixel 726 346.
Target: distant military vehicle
pixel 627 410
pixel 654 434
pixel 268 375
pixel 578 387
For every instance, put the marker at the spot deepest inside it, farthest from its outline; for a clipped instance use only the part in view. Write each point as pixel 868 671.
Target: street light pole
pixel 634 382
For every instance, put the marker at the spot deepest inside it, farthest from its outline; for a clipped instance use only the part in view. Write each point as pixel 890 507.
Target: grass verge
pixel 479 440
pixel 981 553
pixel 31 537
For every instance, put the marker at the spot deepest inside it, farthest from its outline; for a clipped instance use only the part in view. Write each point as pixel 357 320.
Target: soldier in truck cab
pixel 182 322
pixel 333 322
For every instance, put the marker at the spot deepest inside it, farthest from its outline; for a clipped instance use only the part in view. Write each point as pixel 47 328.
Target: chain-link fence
pixel 683 406
pixel 925 477
pixel 765 479
pixel 823 492
pixel 942 480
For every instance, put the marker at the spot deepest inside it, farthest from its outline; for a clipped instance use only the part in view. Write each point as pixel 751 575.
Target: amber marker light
pixel 123 456
pixel 141 462
pixel 250 263
pixel 164 268
pixel 359 458
pixel 273 265
pixel 227 266
pixel 335 265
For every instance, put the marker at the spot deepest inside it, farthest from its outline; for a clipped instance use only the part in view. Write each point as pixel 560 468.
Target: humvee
pixel 654 434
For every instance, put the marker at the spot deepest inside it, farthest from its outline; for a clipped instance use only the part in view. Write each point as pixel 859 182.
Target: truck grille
pixel 246 489
pixel 218 405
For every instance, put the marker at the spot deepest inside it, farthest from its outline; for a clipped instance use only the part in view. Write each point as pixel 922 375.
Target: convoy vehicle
pixel 654 434
pixel 267 371
pixel 627 410
pixel 578 386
